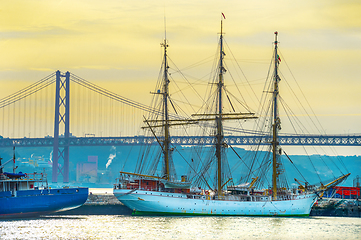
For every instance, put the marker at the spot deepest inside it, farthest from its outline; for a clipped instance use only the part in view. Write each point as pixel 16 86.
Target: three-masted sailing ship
pixel 164 195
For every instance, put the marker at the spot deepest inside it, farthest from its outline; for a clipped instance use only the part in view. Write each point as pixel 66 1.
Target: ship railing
pixel 40 180
pixel 28 176
pixel 39 177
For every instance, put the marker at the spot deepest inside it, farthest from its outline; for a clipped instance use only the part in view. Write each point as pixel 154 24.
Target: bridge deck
pixel 311 140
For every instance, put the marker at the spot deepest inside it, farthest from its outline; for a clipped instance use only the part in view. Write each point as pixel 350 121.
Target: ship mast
pixel 219 116
pixel 165 94
pixel 276 126
pixel 219 135
pixel 165 123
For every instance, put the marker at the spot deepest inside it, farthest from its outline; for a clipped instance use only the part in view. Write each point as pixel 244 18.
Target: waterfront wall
pixel 100 204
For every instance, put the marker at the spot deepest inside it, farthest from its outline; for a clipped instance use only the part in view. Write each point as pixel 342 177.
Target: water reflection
pixel 130 227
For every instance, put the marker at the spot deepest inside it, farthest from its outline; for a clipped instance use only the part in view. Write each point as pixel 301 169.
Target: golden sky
pixel 116 44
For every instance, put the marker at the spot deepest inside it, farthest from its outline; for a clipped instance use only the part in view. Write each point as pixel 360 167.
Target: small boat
pixel 147 194
pixel 14 175
pixel 28 195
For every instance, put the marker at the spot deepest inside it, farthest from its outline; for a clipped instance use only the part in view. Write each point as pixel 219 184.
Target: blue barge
pixel 28 195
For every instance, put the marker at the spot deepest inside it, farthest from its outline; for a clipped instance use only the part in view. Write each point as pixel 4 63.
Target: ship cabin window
pixel 237 192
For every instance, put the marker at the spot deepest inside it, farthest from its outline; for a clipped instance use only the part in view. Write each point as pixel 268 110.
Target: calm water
pixel 129 227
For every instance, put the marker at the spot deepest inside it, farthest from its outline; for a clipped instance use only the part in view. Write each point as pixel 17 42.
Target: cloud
pixel 42 69
pixel 118 43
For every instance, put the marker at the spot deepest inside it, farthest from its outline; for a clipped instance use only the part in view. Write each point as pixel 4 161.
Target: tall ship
pixel 28 195
pixel 263 191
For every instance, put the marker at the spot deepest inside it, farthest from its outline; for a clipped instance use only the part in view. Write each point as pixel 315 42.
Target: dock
pixel 337 207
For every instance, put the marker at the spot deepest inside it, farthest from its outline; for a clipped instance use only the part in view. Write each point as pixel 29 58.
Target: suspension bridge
pixel 100 117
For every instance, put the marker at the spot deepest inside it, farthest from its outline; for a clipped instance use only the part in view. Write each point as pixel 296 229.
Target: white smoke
pixel 51 156
pixel 110 159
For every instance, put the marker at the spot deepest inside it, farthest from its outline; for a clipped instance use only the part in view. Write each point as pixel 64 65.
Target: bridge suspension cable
pixel 109 94
pixel 25 92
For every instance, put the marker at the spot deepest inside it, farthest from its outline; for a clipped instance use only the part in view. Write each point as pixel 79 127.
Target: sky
pixel 116 44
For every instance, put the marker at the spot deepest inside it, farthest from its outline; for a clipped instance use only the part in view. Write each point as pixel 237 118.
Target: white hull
pixel 163 203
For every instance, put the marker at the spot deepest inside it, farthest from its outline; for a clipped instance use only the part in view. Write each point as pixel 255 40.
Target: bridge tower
pixel 61 148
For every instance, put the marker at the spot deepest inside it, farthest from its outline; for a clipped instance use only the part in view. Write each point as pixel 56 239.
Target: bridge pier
pixel 61 152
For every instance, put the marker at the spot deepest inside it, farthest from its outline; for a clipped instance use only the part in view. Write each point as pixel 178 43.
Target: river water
pixel 135 227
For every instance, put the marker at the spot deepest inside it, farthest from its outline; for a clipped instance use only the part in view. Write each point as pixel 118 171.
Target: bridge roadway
pixel 290 140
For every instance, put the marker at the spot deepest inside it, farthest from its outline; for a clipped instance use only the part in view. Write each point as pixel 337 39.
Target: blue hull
pixel 38 202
